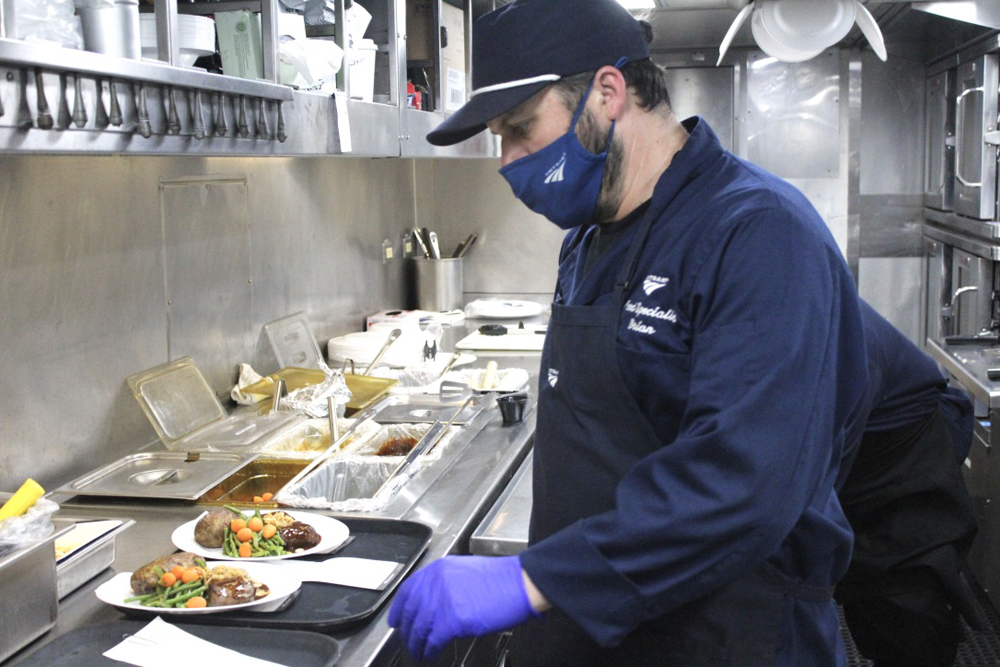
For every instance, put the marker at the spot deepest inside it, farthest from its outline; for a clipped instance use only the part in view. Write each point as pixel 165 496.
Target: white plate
pixel 280 583
pixel 504 309
pixel 332 534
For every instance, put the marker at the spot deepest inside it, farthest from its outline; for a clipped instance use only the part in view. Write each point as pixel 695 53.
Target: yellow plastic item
pixel 22 501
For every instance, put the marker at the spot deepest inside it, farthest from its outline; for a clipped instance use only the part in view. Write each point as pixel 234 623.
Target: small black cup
pixel 512 407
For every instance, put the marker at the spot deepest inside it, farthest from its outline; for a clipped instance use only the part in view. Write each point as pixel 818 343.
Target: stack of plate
pixel 195 37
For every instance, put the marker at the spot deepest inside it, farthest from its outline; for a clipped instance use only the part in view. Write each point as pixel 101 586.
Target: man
pixel 902 490
pixel 703 360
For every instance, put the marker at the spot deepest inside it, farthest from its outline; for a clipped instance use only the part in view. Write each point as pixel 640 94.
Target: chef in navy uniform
pixel 703 361
pixel 902 490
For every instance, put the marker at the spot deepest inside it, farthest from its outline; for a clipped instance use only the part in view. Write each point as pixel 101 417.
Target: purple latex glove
pixel 459 596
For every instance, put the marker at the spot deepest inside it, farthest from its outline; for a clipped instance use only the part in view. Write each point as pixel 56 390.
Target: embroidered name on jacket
pixel 640 311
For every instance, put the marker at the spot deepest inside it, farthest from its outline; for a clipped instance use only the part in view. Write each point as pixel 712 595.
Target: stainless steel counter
pixel 504 531
pixel 451 495
pixel 968 364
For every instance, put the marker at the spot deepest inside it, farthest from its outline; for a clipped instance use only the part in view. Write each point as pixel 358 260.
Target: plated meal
pixel 184 583
pixel 232 534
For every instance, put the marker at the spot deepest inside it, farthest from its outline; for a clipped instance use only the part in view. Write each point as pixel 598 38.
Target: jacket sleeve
pixel 777 365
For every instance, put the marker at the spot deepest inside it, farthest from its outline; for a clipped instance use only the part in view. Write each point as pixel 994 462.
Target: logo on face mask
pixel 555 172
pixel 653 283
pixel 553 377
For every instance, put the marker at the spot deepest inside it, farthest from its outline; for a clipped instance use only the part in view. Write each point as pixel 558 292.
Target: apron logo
pixel 553 377
pixel 653 283
pixel 555 172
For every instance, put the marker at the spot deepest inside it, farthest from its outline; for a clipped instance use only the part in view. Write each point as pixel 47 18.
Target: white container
pixel 361 60
pixel 195 37
pixel 113 29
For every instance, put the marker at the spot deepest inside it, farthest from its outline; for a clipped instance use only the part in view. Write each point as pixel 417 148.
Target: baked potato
pixel 210 531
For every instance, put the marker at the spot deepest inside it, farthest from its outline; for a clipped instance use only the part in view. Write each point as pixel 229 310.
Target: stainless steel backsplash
pixel 111 265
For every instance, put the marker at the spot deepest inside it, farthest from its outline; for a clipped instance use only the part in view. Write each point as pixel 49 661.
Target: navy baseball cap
pixel 522 47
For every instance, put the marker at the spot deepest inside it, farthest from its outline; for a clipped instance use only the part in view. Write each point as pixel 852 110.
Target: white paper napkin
pixel 345 571
pixel 160 644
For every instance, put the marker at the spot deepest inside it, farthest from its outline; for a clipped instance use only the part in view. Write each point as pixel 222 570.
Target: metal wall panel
pixel 87 265
pixel 793 111
pixel 208 280
pixel 705 92
pixel 517 251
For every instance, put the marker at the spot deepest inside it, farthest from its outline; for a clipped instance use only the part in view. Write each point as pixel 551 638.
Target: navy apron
pixel 590 432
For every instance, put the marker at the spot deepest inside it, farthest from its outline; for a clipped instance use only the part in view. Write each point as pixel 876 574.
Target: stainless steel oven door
pixel 937 278
pixel 972 293
pixel 975 122
pixel 939 163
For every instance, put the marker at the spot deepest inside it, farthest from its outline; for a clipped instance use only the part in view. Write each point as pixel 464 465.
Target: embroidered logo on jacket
pixel 553 377
pixel 555 172
pixel 653 283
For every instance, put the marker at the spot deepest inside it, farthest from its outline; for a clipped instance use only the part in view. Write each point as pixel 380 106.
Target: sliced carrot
pixel 236 525
pixel 256 524
pixel 246 549
pixel 258 499
pixel 244 535
pixel 269 531
pixel 197 602
pixel 191 574
pixel 168 579
pixel 267 496
pixel 177 570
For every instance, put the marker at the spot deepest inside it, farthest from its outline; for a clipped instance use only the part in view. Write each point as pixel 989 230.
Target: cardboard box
pixel 453 58
pixel 240 44
pixel 420 29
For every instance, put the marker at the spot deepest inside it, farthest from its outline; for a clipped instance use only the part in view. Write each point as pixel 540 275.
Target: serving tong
pixel 335 444
pixel 427 443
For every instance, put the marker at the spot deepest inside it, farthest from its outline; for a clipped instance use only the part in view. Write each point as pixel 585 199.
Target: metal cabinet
pixel 939 142
pixel 972 293
pixel 162 109
pixel 976 138
pixel 937 278
pixel 441 61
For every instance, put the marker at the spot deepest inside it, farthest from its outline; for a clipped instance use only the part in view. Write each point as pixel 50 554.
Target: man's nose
pixel 510 152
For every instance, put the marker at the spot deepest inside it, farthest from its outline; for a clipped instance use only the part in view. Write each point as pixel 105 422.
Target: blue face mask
pixel 563 180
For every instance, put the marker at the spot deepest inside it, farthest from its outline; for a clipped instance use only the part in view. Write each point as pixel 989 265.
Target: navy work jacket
pixel 741 340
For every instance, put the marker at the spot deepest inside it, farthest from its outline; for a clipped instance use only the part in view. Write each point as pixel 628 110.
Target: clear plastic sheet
pixel 351 481
pixel 33 525
pixel 45 20
pixel 311 438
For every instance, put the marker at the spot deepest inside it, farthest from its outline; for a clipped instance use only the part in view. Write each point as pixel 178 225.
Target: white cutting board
pixel 523 340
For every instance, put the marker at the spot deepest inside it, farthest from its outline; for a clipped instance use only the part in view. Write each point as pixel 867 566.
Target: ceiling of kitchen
pixel 909 32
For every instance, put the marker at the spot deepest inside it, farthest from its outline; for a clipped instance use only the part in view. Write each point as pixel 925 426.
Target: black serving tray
pixel 86 646
pixel 329 607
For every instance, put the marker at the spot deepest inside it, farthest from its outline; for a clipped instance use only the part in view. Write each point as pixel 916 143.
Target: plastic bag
pixel 44 20
pixel 312 437
pixel 30 527
pixel 314 62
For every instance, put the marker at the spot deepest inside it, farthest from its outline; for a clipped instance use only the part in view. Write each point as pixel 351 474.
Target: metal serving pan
pixel 169 475
pixel 88 555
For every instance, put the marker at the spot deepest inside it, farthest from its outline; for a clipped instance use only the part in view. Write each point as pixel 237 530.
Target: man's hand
pixel 459 596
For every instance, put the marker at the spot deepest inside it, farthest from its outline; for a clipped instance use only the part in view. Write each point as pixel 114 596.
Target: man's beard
pixel 610 198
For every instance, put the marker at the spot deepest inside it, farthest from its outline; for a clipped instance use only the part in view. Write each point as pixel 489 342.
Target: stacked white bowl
pixel 195 37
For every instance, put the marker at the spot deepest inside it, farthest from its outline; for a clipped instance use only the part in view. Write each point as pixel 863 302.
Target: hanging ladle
pixel 396 333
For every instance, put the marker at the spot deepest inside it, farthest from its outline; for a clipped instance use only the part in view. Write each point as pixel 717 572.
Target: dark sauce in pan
pixel 396 447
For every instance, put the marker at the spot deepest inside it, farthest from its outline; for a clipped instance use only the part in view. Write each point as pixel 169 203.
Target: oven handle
pixel 959 138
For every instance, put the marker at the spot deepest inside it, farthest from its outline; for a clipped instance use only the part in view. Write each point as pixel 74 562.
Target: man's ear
pixel 609 83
